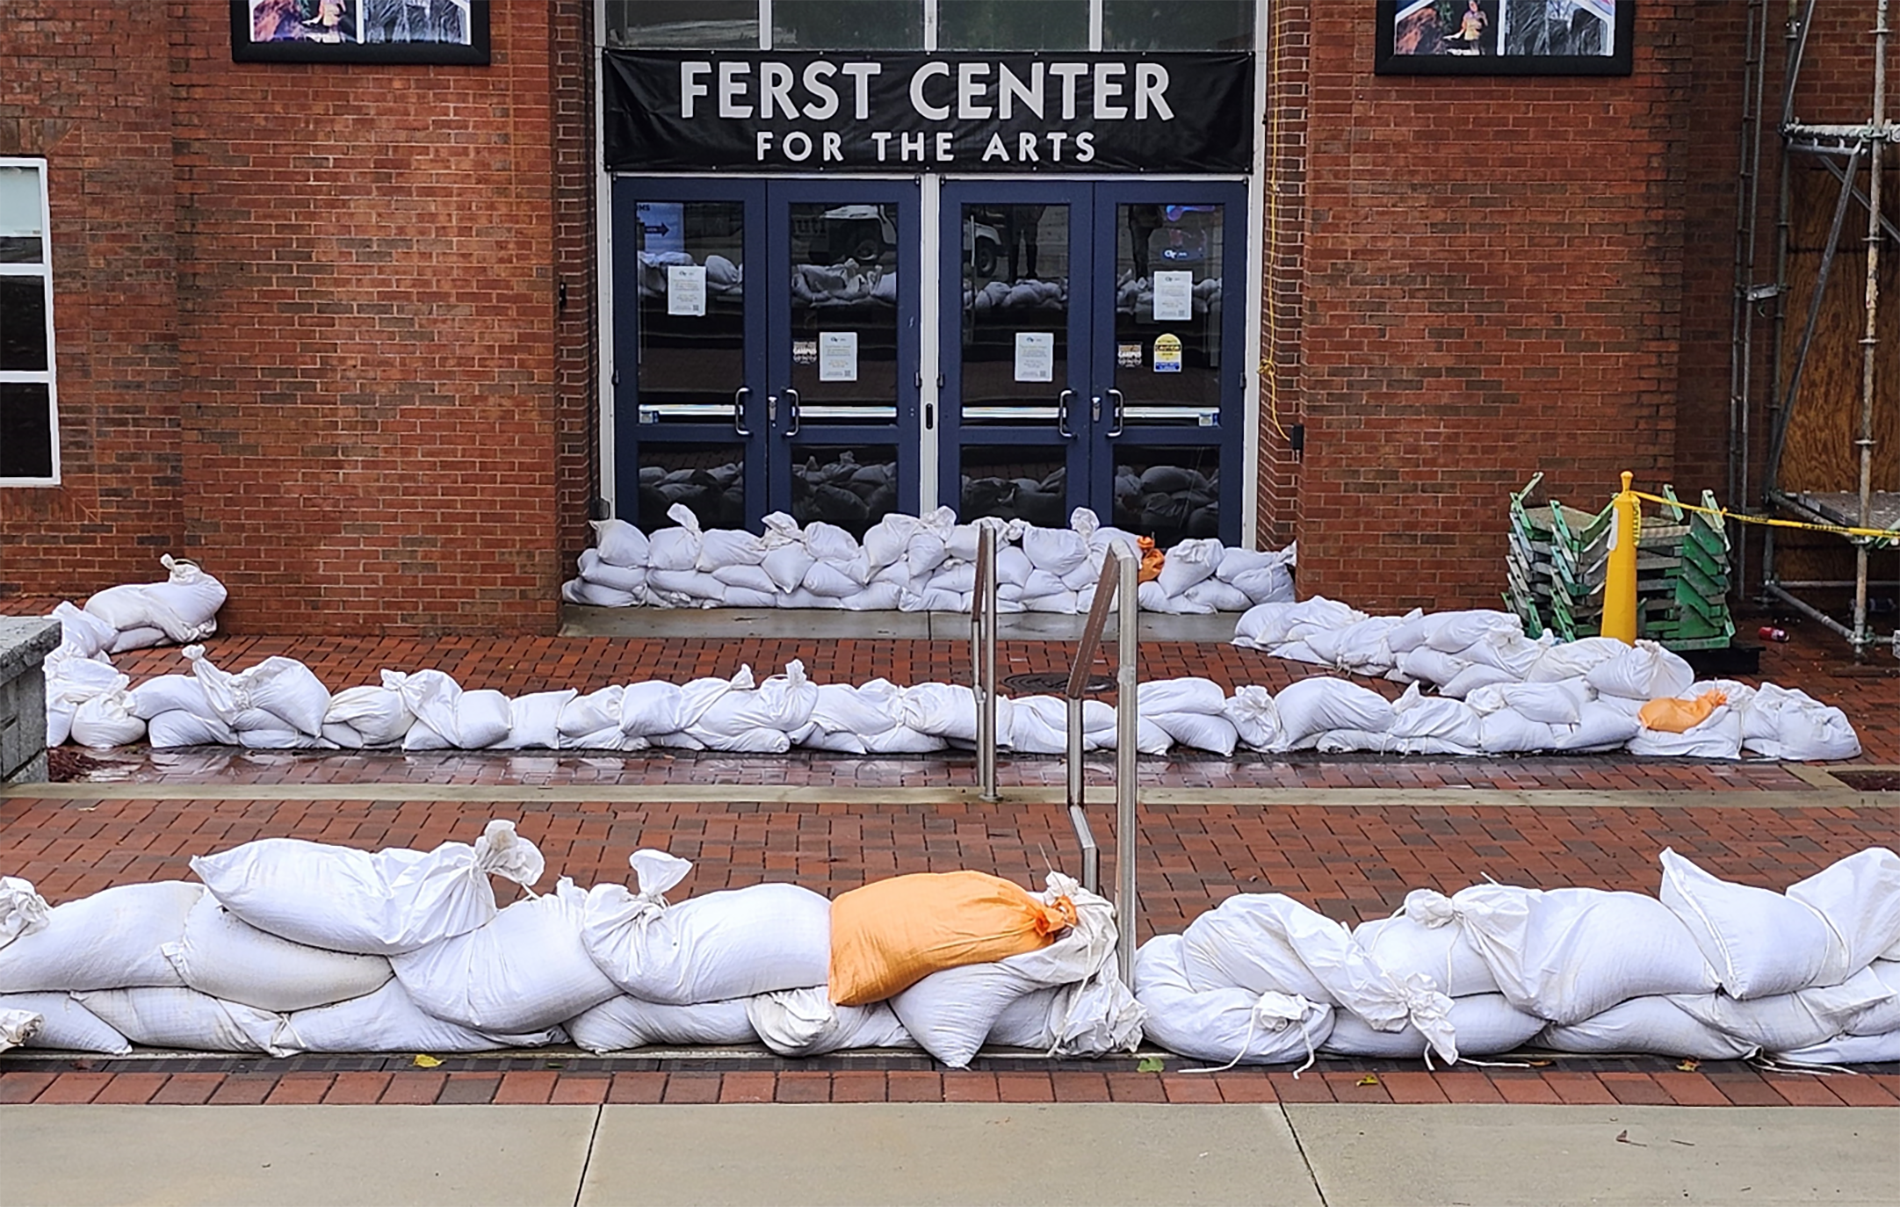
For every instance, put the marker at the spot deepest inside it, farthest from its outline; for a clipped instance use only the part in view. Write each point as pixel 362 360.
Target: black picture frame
pixel 1512 37
pixel 359 31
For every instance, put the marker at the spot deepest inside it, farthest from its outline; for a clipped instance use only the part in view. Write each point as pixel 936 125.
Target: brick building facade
pixel 335 331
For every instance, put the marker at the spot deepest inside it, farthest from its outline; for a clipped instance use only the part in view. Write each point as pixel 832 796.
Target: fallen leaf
pixel 426 1062
pixel 1150 1064
pixel 1623 1137
pixel 1690 1065
pixel 1368 1079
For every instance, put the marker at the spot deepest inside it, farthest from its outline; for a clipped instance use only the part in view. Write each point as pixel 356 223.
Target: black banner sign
pixel 963 112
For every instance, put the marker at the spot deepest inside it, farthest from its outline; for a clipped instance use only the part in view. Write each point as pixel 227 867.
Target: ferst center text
pixel 938 91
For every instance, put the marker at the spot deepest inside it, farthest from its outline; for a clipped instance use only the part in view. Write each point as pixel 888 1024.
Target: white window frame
pixel 43 270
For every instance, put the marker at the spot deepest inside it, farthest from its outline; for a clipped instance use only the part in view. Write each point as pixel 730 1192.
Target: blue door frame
pixel 759 414
pixel 1099 409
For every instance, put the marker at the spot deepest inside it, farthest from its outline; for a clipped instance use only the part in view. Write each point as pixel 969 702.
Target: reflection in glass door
pixel 1089 358
pixel 766 346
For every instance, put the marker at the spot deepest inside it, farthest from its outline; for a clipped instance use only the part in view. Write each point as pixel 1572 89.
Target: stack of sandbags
pixel 279 704
pixel 180 610
pixel 613 574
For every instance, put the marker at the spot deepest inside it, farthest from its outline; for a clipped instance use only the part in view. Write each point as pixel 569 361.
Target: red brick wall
pixel 576 349
pixel 306 319
pixel 1286 46
pixel 1492 277
pixel 103 123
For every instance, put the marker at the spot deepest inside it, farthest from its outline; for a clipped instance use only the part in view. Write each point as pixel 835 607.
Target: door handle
pixel 738 411
pixel 791 410
pixel 1121 408
pixel 1062 414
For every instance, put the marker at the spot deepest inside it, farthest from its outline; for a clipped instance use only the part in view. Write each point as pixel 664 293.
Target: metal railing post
pixel 1127 722
pixel 983 660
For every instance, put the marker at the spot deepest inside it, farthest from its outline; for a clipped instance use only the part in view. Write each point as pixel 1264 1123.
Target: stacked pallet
pixel 1559 560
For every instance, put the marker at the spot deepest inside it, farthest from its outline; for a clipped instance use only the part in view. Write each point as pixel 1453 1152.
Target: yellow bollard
pixel 1619 584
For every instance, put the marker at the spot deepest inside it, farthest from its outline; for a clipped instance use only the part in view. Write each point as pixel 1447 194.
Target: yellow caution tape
pixel 1878 534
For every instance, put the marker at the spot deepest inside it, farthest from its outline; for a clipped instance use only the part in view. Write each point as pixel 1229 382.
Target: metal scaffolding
pixel 1845 151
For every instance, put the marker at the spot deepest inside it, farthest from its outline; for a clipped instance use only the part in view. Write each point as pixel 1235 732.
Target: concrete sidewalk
pixel 1332 1155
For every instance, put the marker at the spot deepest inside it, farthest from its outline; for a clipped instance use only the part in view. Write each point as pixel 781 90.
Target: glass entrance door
pixel 766 344
pixel 1090 358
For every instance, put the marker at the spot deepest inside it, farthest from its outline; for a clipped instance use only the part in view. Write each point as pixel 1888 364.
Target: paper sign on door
pixel 1174 297
pixel 1035 356
pixel 837 356
pixel 685 289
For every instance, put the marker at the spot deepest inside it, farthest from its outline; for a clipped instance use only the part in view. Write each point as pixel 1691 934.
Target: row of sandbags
pixel 905 563
pixel 1711 970
pixel 1497 691
pixel 281 704
pixel 290 946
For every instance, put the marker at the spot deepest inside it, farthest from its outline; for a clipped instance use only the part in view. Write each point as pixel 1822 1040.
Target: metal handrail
pixel 983 660
pixel 1117 586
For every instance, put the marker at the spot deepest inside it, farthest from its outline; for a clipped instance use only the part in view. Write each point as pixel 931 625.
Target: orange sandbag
pixel 890 934
pixel 1669 715
pixel 1152 559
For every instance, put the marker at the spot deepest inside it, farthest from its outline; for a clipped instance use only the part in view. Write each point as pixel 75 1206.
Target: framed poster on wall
pixel 1504 37
pixel 359 31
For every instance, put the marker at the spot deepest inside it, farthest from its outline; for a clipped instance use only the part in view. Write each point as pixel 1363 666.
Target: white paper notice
pixel 1035 355
pixel 685 289
pixel 1174 297
pixel 837 356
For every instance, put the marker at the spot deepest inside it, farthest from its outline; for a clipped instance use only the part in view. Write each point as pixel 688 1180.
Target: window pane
pixel 1168 494
pixel 1168 354
pixel 708 478
pixel 20 202
pixel 1015 482
pixel 692 310
pixel 682 24
pixel 26 430
pixel 848 24
pixel 1177 24
pixel 1015 312
pixel 1013 24
pixel 853 488
pixel 841 287
pixel 22 323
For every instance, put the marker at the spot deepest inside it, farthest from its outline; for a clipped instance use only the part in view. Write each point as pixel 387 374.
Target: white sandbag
pixel 1270 584
pixel 18 1027
pixel 181 728
pixel 749 578
pixel 948 710
pixel 597 595
pixel 1599 726
pixel 1509 732
pixel 888 540
pixel 1055 551
pixel 1180 695
pixel 81 632
pixel 727 547
pixel 1270 943
pixel 392 901
pixel 1846 1050
pixel 224 956
pixel 1187 563
pixel 621 1023
pixel 1789 1020
pixel 1859 897
pixel 69 683
pixel 1227 1024
pixel 1312 706
pixel 1152 597
pixel 1759 942
pixel 534 720
pixel 1569 953
pixel 1795 727
pixel 1359 647
pixel 619 543
pixel 785 566
pixel 736 719
pixel 830 543
pixel 1451 724
pixel 675 549
pixel 1656 1025
pixel 1644 671
pixel 1454 632
pixel 652 707
pixel 1040 725
pixel 106 721
pixel 431 697
pixel 872 708
pixel 1406 947
pixel 1217 735
pixel 836 580
pixel 609 738
pixel 901 739
pixel 110 940
pixel 184 1018
pixel 1267 625
pixel 65 1024
pixel 1347 741
pixel 22 910
pixel 1472 677
pixel 1880 1017
pixel 597 571
pixel 525 970
pixel 1255 718
pixel 593 712
pixel 805 1022
pixel 1218 596
pixel 387 1021
pixel 278 738
pixel 187 602
pixel 1558 703
pixel 1575 659
pixel 734 943
pixel 1426 665
pixel 163 693
pixel 377 714
pixel 283 687
pixel 1485 1024
pixel 950 1013
pixel 1236 561
pixel 1718 736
